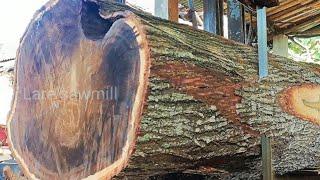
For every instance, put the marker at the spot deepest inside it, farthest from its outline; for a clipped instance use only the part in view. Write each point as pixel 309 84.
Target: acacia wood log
pixel 205 105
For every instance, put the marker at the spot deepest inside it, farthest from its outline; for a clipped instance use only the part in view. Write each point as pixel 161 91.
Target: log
pixel 183 101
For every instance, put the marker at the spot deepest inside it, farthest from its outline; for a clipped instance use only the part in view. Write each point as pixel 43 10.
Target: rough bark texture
pixel 206 107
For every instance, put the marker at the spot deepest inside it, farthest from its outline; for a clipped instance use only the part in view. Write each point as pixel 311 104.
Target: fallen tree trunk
pixel 205 106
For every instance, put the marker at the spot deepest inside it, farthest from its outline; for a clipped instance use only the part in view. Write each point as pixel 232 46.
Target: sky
pixel 15 15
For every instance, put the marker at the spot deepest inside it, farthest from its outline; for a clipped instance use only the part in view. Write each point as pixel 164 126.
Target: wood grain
pixel 302 101
pixel 80 85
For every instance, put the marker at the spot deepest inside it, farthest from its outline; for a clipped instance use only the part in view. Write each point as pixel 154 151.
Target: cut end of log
pixel 80 86
pixel 302 101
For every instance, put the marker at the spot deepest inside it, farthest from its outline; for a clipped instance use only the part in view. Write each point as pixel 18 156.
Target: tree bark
pixel 205 109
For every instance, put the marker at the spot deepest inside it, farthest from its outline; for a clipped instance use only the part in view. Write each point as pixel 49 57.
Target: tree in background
pixel 305 49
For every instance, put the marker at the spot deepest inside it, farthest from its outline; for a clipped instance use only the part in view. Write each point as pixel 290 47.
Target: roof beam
pixel 302 26
pixel 298 16
pixel 262 3
pixel 308 33
pixel 294 9
pixel 285 5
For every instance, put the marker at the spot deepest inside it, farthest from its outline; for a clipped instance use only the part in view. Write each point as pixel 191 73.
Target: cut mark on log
pixel 314 105
pixel 302 101
pixel 79 93
pixel 205 85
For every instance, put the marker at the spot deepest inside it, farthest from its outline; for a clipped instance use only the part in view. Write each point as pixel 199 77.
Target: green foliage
pixel 305 49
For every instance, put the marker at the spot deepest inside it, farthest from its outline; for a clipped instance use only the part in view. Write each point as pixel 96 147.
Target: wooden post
pixel 266 158
pixel 280 45
pixel 194 17
pixel 173 10
pixel 262 41
pixel 236 21
pixel 167 9
pixel 213 16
